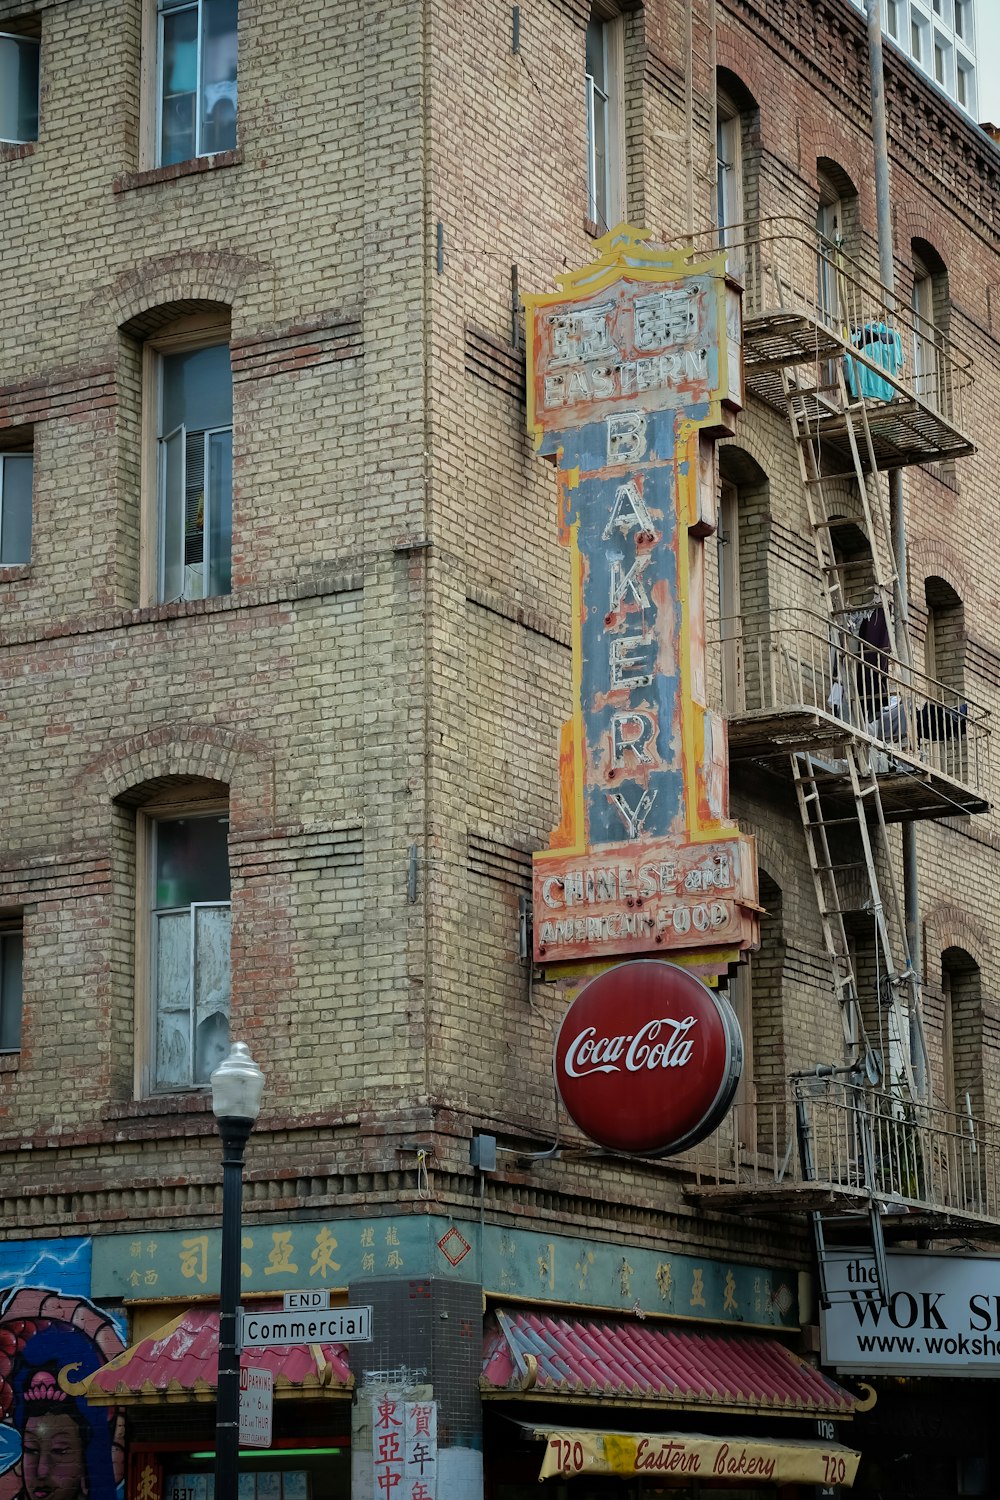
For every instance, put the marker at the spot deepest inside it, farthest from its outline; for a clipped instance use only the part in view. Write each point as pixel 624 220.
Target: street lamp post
pixel 237 1086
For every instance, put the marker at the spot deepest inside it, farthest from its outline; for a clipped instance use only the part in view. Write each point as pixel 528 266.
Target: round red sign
pixel 647 1058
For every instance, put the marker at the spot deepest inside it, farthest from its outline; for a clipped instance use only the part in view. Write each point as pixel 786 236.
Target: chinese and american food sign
pixel 647 1059
pixel 634 366
pixel 404 1449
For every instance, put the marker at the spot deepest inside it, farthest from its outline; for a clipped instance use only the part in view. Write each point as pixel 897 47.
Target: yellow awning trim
pixel 570 1451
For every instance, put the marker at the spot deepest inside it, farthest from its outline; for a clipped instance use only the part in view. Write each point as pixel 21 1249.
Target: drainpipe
pixel 911 899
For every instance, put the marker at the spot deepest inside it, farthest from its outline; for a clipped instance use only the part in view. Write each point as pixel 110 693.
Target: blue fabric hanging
pixel 882 346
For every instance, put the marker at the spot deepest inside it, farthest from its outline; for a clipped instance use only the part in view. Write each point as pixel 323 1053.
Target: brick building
pixel 286 647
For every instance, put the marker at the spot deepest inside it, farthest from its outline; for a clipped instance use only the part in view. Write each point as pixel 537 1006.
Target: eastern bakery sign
pixel 770 1461
pixel 634 369
pixel 647 1059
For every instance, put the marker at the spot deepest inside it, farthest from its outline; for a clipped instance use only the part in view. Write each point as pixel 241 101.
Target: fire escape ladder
pixel 866 816
pixel 803 407
pixel 812 404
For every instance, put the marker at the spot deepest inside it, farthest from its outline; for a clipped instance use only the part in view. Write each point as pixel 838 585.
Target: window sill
pixel 14 572
pixel 9 1062
pixel 16 150
pixel 591 227
pixel 198 1102
pixel 127 182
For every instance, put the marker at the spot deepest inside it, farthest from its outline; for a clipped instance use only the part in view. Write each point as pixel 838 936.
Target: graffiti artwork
pixel 53 1446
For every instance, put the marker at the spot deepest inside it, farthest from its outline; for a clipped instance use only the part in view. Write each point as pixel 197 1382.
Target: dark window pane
pixel 197 389
pixel 218 76
pixel 11 957
pixel 16 471
pixel 192 861
pixel 179 86
pixel 18 88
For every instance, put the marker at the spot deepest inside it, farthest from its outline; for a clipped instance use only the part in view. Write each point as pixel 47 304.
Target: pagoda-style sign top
pixel 633 369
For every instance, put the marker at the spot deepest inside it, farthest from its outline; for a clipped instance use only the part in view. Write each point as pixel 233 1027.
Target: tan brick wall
pixel 392 669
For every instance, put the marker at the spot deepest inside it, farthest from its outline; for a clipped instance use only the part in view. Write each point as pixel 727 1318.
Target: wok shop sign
pixel 942 1316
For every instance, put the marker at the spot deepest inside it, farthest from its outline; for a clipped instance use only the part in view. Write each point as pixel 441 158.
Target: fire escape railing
pixel 795 659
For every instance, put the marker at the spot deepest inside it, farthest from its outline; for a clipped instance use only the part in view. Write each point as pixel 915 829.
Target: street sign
pixel 256 1407
pixel 339 1325
pixel 306 1301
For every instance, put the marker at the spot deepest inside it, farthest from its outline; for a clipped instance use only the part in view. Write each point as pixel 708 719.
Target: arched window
pixel 605 90
pixel 187 451
pixel 183 969
pixel 944 644
pixel 962 1033
pixel 931 308
pixel 837 234
pixel 736 119
pixel 741 542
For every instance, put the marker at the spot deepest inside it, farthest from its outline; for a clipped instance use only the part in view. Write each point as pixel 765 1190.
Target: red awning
pixel 633 1361
pixel 180 1362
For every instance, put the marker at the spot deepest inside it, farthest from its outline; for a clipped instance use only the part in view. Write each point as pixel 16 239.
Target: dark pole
pixel 235 1133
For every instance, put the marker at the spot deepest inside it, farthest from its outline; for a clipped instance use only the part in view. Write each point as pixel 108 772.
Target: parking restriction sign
pixel 256 1407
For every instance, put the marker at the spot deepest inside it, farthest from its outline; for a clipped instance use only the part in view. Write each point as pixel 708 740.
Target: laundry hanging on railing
pixel 882 345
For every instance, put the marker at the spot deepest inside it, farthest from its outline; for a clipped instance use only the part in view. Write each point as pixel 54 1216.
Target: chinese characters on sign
pixel 404 1449
pixel 632 366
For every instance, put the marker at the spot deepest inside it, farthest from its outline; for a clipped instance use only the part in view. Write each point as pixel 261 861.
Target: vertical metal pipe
pixel 235 1133
pixel 883 208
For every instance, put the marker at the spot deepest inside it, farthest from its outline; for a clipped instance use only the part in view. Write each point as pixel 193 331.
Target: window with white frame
pixel 194 471
pixel 729 164
pixel 196 78
pixel 19 58
pixel 187 879
pixel 11 963
pixel 965 22
pixel 16 477
pixel 605 117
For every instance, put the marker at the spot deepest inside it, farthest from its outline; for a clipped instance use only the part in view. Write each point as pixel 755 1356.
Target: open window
pixel 188 461
pixel 184 937
pixel 605 75
pixel 196 53
pixel 931 306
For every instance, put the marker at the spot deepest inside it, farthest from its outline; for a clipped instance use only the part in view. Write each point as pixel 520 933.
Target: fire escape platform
pixel 909 787
pixel 900 1220
pixel 905 430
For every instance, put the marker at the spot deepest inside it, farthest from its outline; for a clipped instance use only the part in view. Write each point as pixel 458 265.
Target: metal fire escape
pixel 866 386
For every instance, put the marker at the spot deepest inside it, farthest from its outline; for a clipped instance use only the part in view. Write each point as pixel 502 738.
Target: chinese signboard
pixel 942 1317
pixel 404 1449
pixel 633 367
pixel 586 1272
pixel 647 1059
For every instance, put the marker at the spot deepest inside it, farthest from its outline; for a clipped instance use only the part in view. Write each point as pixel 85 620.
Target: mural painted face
pixel 53 1458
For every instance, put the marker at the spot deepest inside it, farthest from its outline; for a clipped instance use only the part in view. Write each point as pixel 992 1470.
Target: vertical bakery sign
pixel 633 373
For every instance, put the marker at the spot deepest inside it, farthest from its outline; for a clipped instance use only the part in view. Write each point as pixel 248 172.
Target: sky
pixel 988 59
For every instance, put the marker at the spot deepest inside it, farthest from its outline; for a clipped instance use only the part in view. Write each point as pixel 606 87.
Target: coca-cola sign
pixel 647 1058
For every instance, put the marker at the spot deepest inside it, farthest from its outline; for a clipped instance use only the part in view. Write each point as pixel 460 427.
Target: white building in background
pixel 939 36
